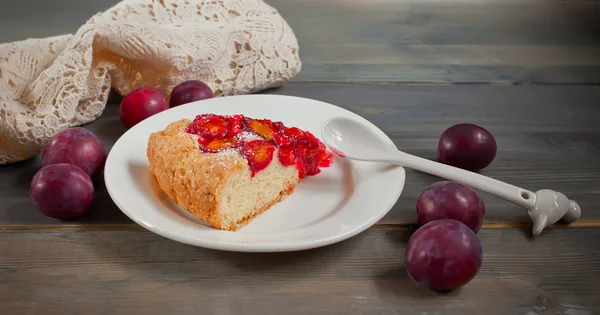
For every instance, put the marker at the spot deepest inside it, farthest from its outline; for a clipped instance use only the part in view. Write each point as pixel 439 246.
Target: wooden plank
pixel 448 74
pixel 457 41
pixel 529 56
pixel 547 138
pixel 435 22
pixel 140 272
pixel 446 41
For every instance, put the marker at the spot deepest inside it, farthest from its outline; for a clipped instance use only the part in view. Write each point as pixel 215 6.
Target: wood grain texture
pixel 456 41
pixel 548 137
pixel 446 41
pixel 138 272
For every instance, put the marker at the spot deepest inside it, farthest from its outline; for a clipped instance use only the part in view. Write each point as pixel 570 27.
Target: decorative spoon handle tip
pixel 550 207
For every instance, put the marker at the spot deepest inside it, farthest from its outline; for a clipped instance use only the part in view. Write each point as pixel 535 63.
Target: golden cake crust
pixel 181 171
pixel 191 178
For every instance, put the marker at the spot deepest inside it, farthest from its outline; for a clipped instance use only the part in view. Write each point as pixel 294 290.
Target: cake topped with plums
pixel 227 169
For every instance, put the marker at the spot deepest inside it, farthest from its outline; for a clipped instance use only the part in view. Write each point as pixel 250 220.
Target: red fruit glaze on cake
pixel 211 126
pixel 257 139
pixel 258 153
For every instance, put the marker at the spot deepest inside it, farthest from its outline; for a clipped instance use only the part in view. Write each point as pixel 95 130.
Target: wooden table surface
pixel 526 70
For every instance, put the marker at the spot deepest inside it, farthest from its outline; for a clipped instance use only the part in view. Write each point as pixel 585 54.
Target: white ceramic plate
pixel 342 201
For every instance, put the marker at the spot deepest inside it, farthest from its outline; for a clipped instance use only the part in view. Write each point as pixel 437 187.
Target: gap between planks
pixel 134 227
pixel 433 83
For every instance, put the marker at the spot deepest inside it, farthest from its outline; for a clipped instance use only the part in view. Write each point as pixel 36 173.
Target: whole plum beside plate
pixel 61 191
pixel 451 200
pixel 140 104
pixel 467 146
pixel 77 146
pixel 190 91
pixel 443 255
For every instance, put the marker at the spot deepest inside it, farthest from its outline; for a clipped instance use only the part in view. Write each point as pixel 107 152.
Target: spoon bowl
pixel 353 140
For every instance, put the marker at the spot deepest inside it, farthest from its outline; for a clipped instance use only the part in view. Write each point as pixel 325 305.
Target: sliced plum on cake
pixel 294 146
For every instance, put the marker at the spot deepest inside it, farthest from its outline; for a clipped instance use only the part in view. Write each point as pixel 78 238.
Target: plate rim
pixel 258 247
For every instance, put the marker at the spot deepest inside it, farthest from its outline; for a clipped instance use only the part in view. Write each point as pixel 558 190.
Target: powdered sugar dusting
pixel 223 159
pixel 246 136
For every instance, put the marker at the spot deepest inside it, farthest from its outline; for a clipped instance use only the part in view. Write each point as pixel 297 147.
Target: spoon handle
pixel 545 207
pixel 514 194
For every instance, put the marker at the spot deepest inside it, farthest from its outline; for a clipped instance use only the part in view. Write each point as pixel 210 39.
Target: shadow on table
pixel 397 283
pixel 151 256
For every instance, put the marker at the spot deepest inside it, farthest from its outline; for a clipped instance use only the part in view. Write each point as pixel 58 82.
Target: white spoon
pixel 353 140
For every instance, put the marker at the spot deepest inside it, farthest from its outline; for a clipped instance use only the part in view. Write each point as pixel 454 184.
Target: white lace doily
pixel 46 85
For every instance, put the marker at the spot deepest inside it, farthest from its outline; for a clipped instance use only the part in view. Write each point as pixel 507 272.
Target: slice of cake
pixel 226 170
